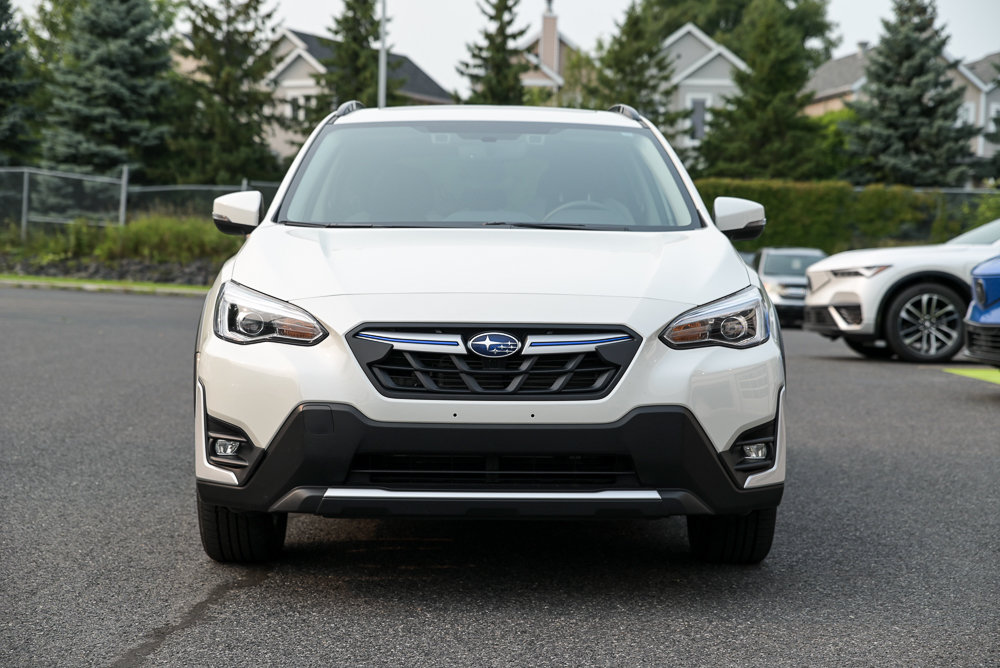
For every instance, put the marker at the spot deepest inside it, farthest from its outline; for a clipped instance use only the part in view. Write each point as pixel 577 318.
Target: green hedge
pixel 832 215
pixel 153 238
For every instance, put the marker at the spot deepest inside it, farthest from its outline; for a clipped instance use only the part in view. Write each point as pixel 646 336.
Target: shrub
pixel 835 216
pixel 157 239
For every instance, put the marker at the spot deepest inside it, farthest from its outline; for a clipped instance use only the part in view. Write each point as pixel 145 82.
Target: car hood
pixel 294 263
pixel 938 254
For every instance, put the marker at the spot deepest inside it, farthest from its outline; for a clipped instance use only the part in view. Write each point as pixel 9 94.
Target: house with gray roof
pixel 300 57
pixel 703 73
pixel 986 70
pixel 840 80
pixel 547 51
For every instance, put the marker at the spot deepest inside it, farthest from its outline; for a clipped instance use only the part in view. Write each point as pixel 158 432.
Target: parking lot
pixel 885 552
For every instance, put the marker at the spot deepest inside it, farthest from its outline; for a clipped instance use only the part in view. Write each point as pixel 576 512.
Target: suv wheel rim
pixel 928 324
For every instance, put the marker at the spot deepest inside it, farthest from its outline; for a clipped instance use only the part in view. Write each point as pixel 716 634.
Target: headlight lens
pixel 737 321
pixel 865 272
pixel 243 315
pixel 980 289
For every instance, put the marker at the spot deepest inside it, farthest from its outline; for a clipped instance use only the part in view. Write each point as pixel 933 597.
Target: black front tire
pixel 229 536
pixel 924 323
pixel 732 539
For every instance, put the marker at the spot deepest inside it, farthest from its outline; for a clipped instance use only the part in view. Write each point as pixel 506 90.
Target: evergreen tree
pixel 223 136
pixel 46 32
pixel 633 69
pixel 579 88
pixel 16 141
pixel 106 88
pixel 352 69
pixel 762 132
pixel 494 68
pixel 906 131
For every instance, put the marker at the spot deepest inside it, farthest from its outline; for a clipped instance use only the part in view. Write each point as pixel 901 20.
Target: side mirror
pixel 238 213
pixel 739 219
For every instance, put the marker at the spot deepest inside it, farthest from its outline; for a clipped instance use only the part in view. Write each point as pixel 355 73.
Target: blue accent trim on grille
pixel 580 343
pixel 392 340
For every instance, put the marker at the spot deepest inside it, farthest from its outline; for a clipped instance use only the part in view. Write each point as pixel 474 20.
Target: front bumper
pixel 844 306
pixel 982 342
pixel 319 462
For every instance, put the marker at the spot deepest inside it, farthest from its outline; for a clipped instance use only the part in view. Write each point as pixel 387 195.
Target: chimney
pixel 548 44
pixel 862 48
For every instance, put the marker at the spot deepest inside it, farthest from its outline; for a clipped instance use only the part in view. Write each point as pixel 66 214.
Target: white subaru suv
pixel 488 312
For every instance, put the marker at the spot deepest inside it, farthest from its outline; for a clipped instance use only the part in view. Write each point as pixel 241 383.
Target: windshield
pixel 787 264
pixel 474 173
pixel 982 235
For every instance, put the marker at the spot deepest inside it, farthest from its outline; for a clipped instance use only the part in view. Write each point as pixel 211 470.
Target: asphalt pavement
pixel 885 554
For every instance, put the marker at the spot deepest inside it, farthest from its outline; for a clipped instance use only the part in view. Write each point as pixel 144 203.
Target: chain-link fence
pixel 31 197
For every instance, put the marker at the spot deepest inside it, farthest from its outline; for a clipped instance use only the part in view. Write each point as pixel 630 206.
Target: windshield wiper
pixel 295 223
pixel 551 226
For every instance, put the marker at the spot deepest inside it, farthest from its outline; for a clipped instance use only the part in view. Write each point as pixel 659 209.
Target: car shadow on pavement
pixel 503 558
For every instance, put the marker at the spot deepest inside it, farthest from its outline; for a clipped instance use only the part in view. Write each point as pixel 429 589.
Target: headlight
pixel 243 315
pixel 737 321
pixel 865 272
pixel 980 290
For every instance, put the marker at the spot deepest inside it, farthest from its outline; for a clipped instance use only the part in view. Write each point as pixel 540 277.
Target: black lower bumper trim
pixel 315 500
pixel 314 450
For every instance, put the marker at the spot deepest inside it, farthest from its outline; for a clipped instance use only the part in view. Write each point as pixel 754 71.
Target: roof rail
pixel 346 108
pixel 627 111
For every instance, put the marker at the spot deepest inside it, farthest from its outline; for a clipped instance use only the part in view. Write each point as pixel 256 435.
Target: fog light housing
pixel 755 451
pixel 225 447
pixel 851 313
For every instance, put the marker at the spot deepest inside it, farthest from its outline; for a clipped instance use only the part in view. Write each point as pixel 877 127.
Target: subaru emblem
pixel 494 344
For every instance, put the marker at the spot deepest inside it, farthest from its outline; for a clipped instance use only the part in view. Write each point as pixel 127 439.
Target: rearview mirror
pixel 739 219
pixel 238 213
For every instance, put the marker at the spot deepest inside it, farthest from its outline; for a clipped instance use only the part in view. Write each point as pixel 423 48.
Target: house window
pixel 966 114
pixel 698 120
pixel 992 119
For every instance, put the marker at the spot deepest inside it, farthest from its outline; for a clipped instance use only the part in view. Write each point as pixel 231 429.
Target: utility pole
pixel 382 62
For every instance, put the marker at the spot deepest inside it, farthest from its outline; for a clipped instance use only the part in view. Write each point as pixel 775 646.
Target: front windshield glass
pixel 474 173
pixel 982 235
pixel 787 264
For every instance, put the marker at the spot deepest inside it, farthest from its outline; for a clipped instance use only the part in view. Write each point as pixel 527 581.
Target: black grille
pixel 819 315
pixel 429 375
pixel 462 374
pixel 517 471
pixel 983 341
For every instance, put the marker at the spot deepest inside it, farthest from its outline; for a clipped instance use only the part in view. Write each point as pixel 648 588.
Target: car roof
pixel 474 112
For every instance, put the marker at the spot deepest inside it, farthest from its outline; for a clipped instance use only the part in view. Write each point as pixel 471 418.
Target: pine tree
pixel 494 68
pixel 906 131
pixel 106 88
pixel 16 141
pixel 762 132
pixel 352 69
pixel 224 136
pixel 633 69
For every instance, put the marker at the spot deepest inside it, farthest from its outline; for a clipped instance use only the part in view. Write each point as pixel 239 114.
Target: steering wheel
pixel 585 204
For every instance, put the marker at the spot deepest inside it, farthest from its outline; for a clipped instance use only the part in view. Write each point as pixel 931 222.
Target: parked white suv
pixel 907 301
pixel 488 311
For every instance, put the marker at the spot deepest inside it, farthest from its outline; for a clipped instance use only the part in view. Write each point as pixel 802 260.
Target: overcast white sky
pixel 434 33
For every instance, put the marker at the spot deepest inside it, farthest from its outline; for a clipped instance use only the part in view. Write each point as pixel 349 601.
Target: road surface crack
pixel 194 616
